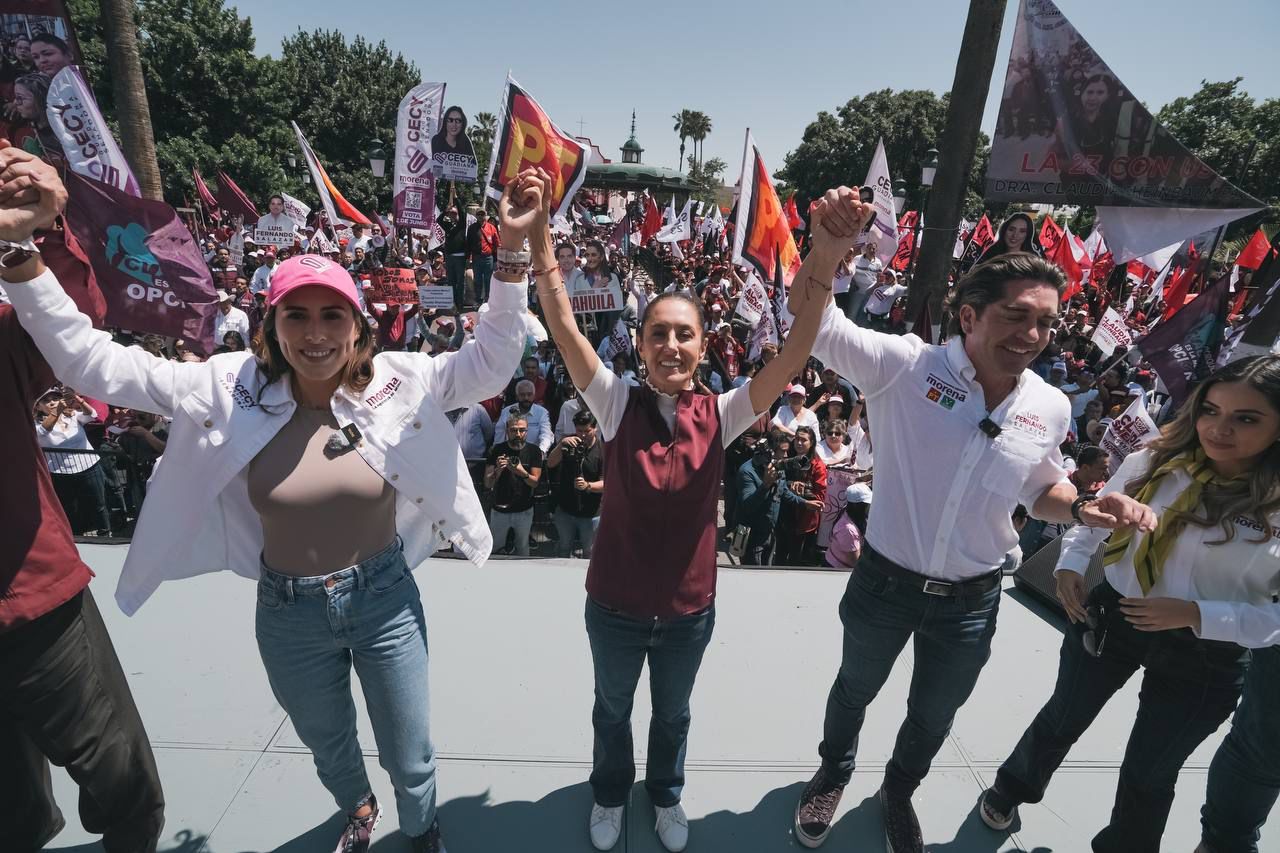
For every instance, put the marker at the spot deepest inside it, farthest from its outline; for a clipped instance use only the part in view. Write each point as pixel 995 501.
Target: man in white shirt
pixel 964 433
pixel 229 319
pixel 794 415
pixel 262 275
pixel 866 275
pixel 538 418
pixel 277 219
pixel 880 303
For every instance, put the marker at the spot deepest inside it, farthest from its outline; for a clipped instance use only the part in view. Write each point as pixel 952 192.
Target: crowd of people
pixel 318 408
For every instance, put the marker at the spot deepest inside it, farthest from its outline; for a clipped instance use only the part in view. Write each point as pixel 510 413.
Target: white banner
pixel 1131 431
pixel 680 229
pixel 713 223
pixel 270 235
pixel 435 296
pixel 753 302
pixel 413 183
pixel 86 140
pixel 295 210
pixel 762 334
pixel 884 228
pixel 618 343
pixel 591 300
pixel 1111 332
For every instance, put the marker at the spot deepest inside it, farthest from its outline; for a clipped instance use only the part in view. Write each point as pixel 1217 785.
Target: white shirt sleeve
pixel 870 360
pixel 736 413
pixel 606 397
pixel 1080 542
pixel 1253 626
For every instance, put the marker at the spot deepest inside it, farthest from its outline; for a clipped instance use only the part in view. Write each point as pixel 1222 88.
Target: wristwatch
pixel 16 254
pixel 1084 498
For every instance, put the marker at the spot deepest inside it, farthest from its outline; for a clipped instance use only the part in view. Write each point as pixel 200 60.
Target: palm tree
pixel 682 120
pixel 483 126
pixel 699 127
pixel 120 32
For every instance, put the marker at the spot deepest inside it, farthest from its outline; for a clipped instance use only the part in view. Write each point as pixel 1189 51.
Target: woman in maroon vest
pixel 652 577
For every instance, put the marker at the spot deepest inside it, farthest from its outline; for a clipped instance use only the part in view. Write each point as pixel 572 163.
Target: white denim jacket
pixel 197 517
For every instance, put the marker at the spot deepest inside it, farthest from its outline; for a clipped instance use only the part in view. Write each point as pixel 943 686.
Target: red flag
pixel 1238 306
pixel 1137 269
pixel 981 239
pixel 1050 236
pixel 233 200
pixel 526 136
pixel 906 240
pixel 652 223
pixel 1255 252
pixel 1175 295
pixel 1066 261
pixel 794 222
pixel 206 197
pixel 1103 266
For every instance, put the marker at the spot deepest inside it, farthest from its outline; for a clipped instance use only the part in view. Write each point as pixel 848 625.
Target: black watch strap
pixel 1081 500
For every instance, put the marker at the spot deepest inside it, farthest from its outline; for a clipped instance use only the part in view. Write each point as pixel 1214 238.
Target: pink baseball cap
pixel 304 270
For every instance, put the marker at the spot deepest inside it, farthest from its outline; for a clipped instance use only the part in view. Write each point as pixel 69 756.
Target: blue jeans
pixel 1189 686
pixel 571 528
pixel 310 631
pixel 482 269
pixel 502 522
pixel 1244 777
pixel 455 271
pixel 952 641
pixel 619 646
pixel 857 302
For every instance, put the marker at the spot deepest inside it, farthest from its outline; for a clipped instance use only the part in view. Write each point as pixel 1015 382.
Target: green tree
pixel 698 127
pixel 708 177
pixel 1233 134
pixel 837 148
pixel 682 122
pixel 481 130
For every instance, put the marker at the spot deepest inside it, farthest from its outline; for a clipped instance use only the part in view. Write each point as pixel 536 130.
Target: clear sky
pixel 768 65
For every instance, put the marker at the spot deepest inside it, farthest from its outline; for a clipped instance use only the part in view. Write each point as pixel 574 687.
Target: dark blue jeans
pixel 619 646
pixel 482 269
pixel 952 638
pixel 1244 777
pixel 1189 687
pixel 455 270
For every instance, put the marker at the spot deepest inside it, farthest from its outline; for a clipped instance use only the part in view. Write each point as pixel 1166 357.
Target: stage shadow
pixel 183 841
pixel 1051 616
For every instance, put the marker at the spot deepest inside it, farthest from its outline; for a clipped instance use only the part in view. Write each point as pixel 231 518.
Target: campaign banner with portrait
pixel 839 479
pixel 265 234
pixel 414 179
pixel 37 42
pixel 391 284
pixel 1111 332
pixel 527 137
pixel 453 157
pixel 295 210
pixel 1069 132
pixel 1133 430
pixel 762 236
pixel 877 189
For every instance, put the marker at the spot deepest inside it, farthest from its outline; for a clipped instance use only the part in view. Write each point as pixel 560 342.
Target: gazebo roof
pixel 636 176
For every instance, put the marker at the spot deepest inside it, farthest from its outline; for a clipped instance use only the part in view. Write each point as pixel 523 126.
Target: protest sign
pixel 393 285
pixel 87 143
pixel 1111 333
pixel 414 181
pixel 1131 431
pixel 592 300
pixel 839 479
pixel 527 138
pixel 761 236
pixel 618 343
pixel 752 302
pixel 435 296
pixel 295 210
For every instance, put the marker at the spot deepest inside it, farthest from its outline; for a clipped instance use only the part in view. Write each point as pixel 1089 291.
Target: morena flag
pixel 527 138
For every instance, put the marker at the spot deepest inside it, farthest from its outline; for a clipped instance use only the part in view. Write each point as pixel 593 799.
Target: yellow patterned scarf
pixel 1155 547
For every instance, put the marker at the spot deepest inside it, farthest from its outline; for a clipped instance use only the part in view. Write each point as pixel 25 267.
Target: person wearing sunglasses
pixel 1183 601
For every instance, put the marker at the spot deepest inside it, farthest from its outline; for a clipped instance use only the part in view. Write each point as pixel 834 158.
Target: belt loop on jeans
pixel 287 584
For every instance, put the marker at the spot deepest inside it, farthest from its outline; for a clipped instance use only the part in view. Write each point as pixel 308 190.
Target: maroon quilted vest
pixel 655 550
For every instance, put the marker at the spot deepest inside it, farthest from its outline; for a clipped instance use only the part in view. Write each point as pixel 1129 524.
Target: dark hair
pixel 565 245
pixel 999 248
pixel 1107 80
pixel 858 512
pixel 1256 495
pixel 813 441
pixel 1090 455
pixel 584 418
pixel 985 283
pixel 236 337
pixel 38 86
pixel 50 38
pixel 274 197
pixel 696 304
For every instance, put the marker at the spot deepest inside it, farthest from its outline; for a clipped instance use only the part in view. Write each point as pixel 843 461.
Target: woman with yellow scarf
pixel 1183 603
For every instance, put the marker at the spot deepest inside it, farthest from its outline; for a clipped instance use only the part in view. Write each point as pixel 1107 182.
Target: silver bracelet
pixel 508 257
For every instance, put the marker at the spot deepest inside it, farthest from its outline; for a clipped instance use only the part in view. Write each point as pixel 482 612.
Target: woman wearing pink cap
pixel 313 466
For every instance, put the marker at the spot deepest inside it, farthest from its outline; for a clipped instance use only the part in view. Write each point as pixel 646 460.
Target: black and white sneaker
pixel 901 827
pixel 996 810
pixel 430 841
pixel 355 837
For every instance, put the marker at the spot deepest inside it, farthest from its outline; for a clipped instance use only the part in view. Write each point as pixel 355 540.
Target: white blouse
pixel 1236 585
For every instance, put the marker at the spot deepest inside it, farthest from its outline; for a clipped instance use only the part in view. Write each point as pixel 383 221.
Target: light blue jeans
pixel 310 631
pixel 502 522
pixel 573 527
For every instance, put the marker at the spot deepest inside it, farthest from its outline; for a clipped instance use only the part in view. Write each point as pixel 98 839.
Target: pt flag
pixel 146 262
pixel 336 208
pixel 1182 348
pixel 526 137
pixel 761 236
pixel 414 181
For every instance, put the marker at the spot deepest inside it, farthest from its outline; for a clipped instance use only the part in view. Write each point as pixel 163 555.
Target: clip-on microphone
pixel 989 427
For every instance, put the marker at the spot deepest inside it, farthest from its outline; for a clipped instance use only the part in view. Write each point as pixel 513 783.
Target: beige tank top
pixel 320 511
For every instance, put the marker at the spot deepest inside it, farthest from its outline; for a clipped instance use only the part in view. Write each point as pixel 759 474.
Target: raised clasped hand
pixel 837 219
pixel 31 193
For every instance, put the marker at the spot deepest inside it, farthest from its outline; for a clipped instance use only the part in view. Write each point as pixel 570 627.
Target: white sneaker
pixel 606 826
pixel 672 827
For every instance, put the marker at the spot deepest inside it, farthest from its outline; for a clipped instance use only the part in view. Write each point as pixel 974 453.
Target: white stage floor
pixel 511 718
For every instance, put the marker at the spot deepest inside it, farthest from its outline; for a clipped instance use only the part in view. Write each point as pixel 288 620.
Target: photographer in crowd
pixel 513 470
pixel 579 461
